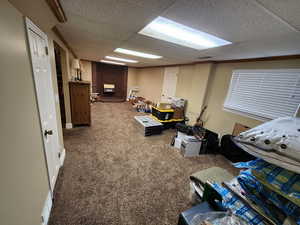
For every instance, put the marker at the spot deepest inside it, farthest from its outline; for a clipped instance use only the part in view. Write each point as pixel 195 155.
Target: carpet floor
pixel 113 175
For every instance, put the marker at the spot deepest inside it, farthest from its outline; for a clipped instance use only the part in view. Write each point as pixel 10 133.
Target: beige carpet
pixel 115 175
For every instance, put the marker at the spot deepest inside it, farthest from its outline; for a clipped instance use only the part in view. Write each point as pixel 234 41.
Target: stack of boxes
pixel 148 125
pixel 169 113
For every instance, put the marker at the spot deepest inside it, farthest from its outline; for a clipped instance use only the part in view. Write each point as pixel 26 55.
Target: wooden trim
pixel 172 65
pixel 57 10
pixel 270 58
pixel 57 32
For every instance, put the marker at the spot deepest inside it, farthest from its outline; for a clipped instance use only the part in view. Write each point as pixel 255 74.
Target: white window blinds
pixel 264 94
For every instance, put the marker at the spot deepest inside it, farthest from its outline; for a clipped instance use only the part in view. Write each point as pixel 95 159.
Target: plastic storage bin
pixel 162 114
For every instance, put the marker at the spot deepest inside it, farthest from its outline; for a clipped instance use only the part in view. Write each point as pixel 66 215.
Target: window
pixel 264 94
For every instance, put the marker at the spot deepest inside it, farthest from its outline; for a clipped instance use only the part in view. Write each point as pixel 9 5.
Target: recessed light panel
pixel 121 59
pixel 168 30
pixel 135 53
pixel 112 62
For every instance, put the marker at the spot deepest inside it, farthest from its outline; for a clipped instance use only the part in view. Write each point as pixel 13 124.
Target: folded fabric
pixel 275 205
pixel 232 202
pixel 271 157
pixel 277 179
pixel 281 136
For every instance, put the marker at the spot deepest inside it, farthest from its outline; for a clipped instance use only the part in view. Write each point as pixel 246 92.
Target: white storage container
pixel 190 146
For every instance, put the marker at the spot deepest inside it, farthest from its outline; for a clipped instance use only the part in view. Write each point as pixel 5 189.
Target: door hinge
pixel 46 50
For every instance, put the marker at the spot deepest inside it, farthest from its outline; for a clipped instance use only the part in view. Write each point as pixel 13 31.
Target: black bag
pixel 188 130
pixel 210 143
pixel 232 152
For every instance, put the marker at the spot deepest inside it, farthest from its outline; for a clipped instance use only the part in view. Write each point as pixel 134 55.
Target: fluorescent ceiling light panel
pixel 168 30
pixel 112 62
pixel 121 59
pixel 135 53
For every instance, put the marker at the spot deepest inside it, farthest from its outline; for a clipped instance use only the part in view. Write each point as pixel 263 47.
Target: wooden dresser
pixel 80 102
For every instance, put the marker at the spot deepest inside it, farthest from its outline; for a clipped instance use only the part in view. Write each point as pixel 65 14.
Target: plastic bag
pixel 217 218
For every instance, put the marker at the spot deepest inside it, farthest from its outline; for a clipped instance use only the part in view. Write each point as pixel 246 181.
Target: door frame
pixel 31 26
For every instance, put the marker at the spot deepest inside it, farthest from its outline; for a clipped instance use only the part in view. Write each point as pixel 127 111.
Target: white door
pixel 170 83
pixel 38 44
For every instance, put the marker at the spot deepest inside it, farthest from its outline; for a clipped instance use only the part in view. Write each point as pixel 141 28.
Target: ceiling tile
pixel 232 20
pixel 132 14
pixel 166 49
pixel 96 27
pixel 289 10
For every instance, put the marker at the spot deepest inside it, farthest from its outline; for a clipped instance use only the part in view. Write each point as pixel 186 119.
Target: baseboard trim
pixel 69 125
pixel 62 157
pixel 47 209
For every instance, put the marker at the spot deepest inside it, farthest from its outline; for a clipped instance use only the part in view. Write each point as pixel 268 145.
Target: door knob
pixel 48 132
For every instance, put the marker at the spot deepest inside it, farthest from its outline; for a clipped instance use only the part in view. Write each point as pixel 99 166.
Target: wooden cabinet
pixel 80 103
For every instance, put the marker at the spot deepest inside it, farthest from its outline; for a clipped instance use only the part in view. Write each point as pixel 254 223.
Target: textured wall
pixel 206 84
pixel 150 81
pixel 24 182
pixel 219 120
pixel 131 79
pixel 86 69
pixel 40 13
pixel 191 85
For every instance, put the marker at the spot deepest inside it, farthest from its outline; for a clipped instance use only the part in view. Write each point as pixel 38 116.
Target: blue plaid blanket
pixel 273 188
pixel 282 181
pixel 274 205
pixel 232 202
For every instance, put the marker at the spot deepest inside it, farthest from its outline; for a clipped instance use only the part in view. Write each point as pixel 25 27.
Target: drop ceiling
pixel 257 28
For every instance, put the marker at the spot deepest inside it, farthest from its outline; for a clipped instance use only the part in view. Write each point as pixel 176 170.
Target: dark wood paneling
pixel 95 88
pixel 80 103
pixel 110 74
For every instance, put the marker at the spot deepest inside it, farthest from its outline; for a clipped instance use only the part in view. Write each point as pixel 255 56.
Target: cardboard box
pixel 178 113
pixel 164 105
pixel 239 128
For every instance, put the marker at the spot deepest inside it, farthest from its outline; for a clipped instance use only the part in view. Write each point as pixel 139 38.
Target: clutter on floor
pixel 232 151
pixel 94 97
pixel 144 106
pixel 186 217
pixel 141 104
pixel 267 190
pixel 190 146
pixel 218 218
pixel 170 113
pixel 192 141
pixel 133 92
pixel 148 125
pixel 112 171
pixel 167 113
pixel 212 174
